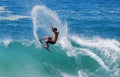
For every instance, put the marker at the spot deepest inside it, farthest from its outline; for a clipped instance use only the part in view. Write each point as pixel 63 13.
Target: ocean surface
pixel 88 44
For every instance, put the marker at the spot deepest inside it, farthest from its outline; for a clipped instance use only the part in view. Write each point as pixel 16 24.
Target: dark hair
pixel 55 29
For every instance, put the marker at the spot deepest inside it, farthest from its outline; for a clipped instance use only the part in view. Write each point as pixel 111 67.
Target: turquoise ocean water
pixel 88 45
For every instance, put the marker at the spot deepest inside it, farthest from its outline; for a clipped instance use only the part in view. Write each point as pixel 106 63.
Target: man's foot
pixel 46 47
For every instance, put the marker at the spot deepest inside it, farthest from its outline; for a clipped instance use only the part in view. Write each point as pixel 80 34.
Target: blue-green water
pixel 88 45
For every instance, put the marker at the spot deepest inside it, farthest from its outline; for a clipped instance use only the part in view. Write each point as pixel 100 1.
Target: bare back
pixel 55 36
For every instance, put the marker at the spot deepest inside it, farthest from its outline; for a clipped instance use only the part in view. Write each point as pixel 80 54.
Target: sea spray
pixel 35 25
pixel 42 17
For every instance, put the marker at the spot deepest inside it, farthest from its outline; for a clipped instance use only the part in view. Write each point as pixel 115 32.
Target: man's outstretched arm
pixel 51 26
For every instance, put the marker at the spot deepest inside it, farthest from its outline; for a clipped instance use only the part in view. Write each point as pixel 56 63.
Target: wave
pixel 2 8
pixel 72 56
pixel 29 60
pixel 105 51
pixel 14 17
pixel 9 16
pixel 34 60
pixel 98 50
pixel 75 51
pixel 68 58
pixel 104 45
pixel 114 11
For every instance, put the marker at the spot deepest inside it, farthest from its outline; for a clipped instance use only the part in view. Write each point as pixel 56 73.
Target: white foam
pixel 109 49
pixel 2 8
pixel 42 16
pixel 78 51
pixel 6 42
pixel 27 42
pixel 65 43
pixel 66 75
pixel 117 72
pixel 35 24
pixel 95 57
pixel 9 15
pixel 95 12
pixel 14 17
pixel 114 11
pixel 74 51
pixel 82 74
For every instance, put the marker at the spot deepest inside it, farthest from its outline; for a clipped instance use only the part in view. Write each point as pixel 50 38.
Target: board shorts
pixel 50 40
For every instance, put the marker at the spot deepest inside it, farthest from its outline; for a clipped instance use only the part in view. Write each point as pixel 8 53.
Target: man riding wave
pixel 51 40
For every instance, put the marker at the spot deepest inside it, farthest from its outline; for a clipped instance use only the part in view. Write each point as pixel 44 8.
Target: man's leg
pixel 47 45
pixel 45 38
pixel 42 38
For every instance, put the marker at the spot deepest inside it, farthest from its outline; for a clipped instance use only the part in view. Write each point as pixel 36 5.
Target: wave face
pixel 88 45
pixel 79 58
pixel 22 60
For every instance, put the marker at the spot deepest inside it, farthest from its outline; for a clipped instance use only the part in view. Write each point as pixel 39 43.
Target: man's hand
pixel 51 25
